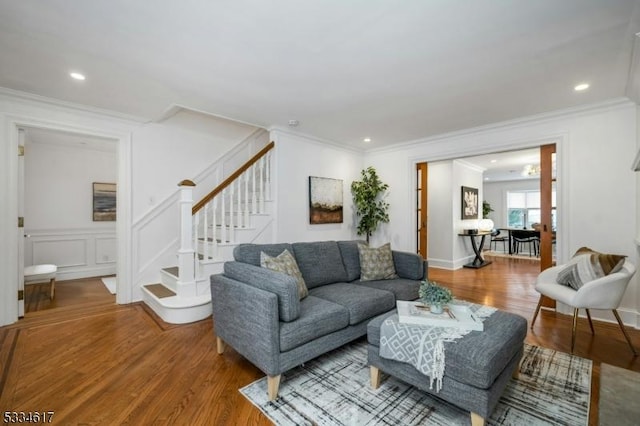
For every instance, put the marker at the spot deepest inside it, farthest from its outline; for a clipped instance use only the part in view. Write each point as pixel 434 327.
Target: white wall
pixel 446 248
pixel 58 207
pixel 178 148
pixel 596 188
pixel 297 158
pixel 440 214
pixel 464 175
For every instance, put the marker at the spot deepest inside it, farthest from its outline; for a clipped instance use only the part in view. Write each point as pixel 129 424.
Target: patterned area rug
pixel 334 389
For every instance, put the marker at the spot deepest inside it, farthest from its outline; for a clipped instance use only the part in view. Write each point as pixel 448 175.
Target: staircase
pixel 239 210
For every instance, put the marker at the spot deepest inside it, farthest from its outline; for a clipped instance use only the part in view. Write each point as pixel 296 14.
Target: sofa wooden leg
pixel 375 377
pixel 273 383
pixel 477 420
pixel 219 345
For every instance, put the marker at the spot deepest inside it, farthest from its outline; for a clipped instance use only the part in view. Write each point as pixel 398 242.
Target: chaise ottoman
pixel 478 366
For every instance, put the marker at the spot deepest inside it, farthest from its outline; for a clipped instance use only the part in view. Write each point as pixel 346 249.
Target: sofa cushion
pixel 351 258
pixel 478 358
pixel 408 265
pixel 588 265
pixel 250 253
pixel 376 263
pixel 318 317
pixel 320 262
pixel 403 289
pixel 286 264
pixel 361 302
pixel 284 286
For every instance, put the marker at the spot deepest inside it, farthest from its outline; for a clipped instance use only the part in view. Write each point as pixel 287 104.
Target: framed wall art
pixel 325 200
pixel 469 203
pixel 104 202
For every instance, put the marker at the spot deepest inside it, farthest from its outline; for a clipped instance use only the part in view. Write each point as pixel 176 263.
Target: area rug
pixel 619 396
pixel 110 284
pixel 334 389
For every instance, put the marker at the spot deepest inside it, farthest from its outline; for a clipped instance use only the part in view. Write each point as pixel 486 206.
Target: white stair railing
pixel 215 219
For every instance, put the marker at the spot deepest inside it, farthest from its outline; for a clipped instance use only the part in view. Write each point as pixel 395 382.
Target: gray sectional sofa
pixel 258 312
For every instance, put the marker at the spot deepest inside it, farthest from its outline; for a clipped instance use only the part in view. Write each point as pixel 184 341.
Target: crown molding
pixel 609 105
pixel 315 139
pixel 26 96
pixel 174 109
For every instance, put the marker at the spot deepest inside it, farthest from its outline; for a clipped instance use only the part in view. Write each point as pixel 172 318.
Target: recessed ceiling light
pixel 77 76
pixel 293 123
pixel 494 161
pixel 580 87
pixel 486 178
pixel 367 140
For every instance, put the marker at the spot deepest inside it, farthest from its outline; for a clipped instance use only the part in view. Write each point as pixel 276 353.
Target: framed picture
pixel 469 203
pixel 325 200
pixel 104 202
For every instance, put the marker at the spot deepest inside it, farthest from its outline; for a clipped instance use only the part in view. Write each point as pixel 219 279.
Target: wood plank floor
pixel 94 362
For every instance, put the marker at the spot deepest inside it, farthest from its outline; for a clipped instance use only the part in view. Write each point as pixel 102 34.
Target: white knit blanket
pixel 423 346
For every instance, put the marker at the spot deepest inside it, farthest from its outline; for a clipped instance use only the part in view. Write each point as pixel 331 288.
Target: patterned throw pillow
pixel 376 263
pixel 588 265
pixel 285 263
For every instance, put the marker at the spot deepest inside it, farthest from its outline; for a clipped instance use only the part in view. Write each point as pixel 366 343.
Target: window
pixel 523 208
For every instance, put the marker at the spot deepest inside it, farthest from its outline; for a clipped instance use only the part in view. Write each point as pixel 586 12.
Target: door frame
pixel 562 188
pixel 12 124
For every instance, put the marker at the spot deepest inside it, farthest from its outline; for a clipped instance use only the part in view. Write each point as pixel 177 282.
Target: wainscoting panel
pixel 78 253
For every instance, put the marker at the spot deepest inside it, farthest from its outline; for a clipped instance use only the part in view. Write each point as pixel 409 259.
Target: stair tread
pixel 173 270
pixel 159 290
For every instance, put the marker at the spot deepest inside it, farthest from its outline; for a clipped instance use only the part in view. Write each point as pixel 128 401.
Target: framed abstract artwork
pixel 104 202
pixel 469 203
pixel 325 200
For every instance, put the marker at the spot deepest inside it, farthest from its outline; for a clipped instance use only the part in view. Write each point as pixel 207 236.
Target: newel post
pixel 186 253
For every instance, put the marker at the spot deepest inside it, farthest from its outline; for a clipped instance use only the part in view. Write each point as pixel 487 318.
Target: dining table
pixel 521 232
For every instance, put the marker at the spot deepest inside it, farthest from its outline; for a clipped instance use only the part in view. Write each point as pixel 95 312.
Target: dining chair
pixel 601 293
pixel 525 237
pixel 497 237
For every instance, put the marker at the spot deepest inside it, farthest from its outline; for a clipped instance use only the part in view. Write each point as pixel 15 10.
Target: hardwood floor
pixel 94 362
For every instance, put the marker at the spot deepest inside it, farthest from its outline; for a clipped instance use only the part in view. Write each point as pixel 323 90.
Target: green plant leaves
pixel 370 208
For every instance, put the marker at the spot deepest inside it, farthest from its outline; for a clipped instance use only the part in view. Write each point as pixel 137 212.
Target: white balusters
pixel 220 220
pixel 267 176
pixel 261 163
pixel 223 218
pixel 246 198
pixel 205 228
pixel 231 216
pixel 214 228
pixel 253 190
pixel 238 183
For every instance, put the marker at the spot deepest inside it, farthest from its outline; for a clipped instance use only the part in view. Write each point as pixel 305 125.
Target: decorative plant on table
pixel 370 208
pixel 434 295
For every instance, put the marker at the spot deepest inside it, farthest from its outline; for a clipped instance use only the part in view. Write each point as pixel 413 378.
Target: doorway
pixel 522 171
pixel 57 199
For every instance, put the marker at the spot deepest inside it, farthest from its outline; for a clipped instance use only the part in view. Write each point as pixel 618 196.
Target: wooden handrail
pixel 200 204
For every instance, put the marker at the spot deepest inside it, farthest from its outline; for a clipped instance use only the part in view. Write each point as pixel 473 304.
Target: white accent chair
pixel 601 293
pixel 42 273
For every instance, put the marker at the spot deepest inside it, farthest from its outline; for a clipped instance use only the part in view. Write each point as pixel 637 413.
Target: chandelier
pixel 531 170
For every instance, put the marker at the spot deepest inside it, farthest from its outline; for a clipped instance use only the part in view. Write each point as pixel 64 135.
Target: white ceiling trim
pixel 505 125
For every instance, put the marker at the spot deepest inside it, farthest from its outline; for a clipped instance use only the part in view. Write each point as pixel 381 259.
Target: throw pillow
pixel 376 263
pixel 285 263
pixel 588 265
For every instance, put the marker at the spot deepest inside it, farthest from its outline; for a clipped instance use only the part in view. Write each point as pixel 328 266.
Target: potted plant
pixel 370 208
pixel 434 296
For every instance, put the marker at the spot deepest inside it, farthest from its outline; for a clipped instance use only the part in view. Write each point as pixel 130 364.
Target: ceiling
pixel 391 71
pixel 506 166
